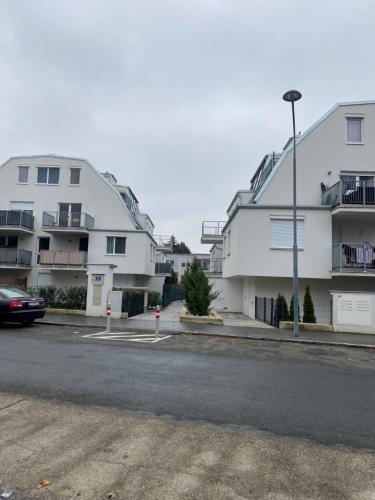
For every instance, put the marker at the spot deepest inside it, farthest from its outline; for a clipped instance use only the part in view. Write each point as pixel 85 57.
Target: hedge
pixel 71 297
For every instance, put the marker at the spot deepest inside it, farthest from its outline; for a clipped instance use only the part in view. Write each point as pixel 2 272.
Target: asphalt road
pixel 323 394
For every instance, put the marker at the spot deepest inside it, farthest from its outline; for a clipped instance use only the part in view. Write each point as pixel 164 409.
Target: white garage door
pixel 354 309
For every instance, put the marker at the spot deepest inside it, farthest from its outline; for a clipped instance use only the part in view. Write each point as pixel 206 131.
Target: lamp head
pixel 292 96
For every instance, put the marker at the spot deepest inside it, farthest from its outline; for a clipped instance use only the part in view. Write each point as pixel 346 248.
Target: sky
pixel 179 99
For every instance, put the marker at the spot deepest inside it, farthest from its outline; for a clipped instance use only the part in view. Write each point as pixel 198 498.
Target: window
pixel 8 241
pixel 116 245
pixel 354 130
pixel 23 175
pixel 228 242
pixel 282 233
pixel 48 175
pixel 75 174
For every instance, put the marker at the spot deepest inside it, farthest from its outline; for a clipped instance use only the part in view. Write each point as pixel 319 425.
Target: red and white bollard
pixel 157 319
pixel 108 318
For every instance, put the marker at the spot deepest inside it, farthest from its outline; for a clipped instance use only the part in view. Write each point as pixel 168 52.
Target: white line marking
pixel 127 337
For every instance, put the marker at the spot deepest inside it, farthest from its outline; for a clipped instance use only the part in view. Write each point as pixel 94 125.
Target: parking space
pixel 141 337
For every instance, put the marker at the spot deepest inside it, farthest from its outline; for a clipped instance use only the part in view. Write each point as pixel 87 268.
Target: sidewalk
pixel 252 333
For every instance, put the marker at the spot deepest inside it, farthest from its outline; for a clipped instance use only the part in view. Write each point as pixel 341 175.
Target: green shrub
pixel 308 307
pixel 154 299
pixel 198 290
pixel 71 297
pixel 282 313
pixel 291 310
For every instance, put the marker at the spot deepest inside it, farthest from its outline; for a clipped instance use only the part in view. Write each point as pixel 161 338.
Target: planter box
pixel 213 319
pixel 316 327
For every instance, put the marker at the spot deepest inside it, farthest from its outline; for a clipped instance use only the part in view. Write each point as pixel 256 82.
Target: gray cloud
pixel 179 99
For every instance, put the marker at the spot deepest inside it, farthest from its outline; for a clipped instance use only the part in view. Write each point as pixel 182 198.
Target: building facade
pixel 59 215
pixel 336 215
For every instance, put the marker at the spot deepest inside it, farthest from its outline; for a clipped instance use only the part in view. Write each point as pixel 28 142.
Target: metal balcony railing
pixel 216 266
pixel 355 257
pixel 74 220
pixel 361 192
pixel 17 218
pixel 62 258
pixel 15 257
pixel 163 242
pixel 163 268
pixel 213 228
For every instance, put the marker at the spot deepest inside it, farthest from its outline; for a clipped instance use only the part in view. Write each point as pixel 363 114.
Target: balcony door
pixel 70 214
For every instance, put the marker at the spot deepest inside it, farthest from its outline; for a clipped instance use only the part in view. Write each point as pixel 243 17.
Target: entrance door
pixel 70 214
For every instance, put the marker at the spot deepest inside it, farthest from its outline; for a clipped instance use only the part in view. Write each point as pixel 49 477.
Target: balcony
pixel 354 258
pixel 16 221
pixel 67 222
pixel 350 194
pixel 163 268
pixel 15 258
pixel 164 243
pixel 216 266
pixel 61 259
pixel 212 232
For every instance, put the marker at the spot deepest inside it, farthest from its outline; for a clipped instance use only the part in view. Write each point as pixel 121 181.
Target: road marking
pixel 144 337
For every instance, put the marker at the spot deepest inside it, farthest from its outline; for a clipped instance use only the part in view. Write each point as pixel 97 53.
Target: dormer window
pixel 354 129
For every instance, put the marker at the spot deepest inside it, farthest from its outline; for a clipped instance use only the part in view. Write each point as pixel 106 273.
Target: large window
pixel 354 132
pixel 75 174
pixel 23 175
pixel 48 175
pixel 116 245
pixel 282 233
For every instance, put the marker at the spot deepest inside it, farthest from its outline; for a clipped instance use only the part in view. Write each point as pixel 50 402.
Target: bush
pixel 154 299
pixel 291 310
pixel 282 313
pixel 72 297
pixel 198 290
pixel 308 307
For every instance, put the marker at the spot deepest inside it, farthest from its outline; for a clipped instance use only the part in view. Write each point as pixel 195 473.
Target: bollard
pixel 157 319
pixel 108 319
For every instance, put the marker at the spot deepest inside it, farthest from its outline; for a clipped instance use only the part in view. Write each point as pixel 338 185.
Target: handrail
pixel 68 220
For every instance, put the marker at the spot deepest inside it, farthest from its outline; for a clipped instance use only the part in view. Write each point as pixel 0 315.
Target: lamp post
pixel 293 96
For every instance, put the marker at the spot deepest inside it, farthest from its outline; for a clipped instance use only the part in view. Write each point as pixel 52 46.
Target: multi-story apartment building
pixel 58 215
pixel 336 215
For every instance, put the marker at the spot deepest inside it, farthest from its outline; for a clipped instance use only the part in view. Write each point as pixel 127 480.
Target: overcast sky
pixel 180 99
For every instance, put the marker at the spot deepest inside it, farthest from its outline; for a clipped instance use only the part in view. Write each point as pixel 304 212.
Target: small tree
pixel 198 290
pixel 291 310
pixel 180 247
pixel 308 307
pixel 282 313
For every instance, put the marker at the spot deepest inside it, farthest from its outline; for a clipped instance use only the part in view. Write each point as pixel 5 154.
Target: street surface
pixel 318 393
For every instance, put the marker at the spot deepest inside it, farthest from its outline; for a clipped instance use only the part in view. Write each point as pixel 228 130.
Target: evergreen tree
pixel 282 313
pixel 180 247
pixel 308 307
pixel 291 310
pixel 198 290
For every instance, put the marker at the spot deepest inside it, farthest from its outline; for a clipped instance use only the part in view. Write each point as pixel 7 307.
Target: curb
pixel 225 335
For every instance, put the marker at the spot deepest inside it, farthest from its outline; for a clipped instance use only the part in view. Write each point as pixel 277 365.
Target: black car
pixel 20 307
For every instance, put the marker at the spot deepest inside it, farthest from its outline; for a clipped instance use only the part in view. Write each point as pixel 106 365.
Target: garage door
pixel 354 309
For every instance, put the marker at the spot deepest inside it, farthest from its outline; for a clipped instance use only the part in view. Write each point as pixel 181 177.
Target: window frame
pixel 79 176
pixel 288 219
pixel 114 253
pixel 27 175
pixel 47 183
pixel 357 118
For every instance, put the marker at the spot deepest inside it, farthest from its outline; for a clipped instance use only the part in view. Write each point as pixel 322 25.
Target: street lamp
pixel 293 96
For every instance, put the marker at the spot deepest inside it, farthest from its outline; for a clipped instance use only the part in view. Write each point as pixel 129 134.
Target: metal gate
pixel 171 294
pixel 265 310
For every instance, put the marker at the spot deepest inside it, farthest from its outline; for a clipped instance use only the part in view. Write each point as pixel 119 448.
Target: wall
pixel 321 151
pixel 251 253
pixel 230 298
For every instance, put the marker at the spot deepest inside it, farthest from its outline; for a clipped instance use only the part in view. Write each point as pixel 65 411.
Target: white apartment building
pixel 336 215
pixel 59 215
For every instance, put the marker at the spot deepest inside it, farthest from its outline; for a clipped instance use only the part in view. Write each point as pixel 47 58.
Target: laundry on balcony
pixel 364 255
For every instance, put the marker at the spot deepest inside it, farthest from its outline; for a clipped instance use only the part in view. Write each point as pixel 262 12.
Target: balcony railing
pixel 62 258
pixel 17 219
pixel 164 242
pixel 354 257
pixel 216 266
pixel 350 193
pixel 212 231
pixel 15 257
pixel 163 268
pixel 68 220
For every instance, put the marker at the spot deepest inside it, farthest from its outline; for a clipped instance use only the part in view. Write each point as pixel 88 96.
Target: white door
pixel 354 309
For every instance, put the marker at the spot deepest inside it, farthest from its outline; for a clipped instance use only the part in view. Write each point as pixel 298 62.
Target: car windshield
pixel 11 293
